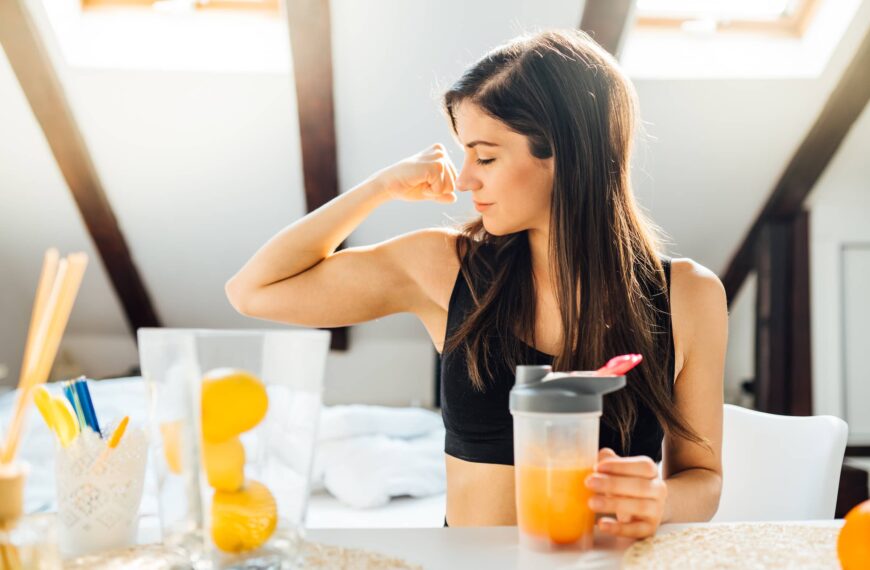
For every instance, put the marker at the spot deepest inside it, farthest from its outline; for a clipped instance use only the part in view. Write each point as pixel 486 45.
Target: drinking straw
pixel 76 405
pixel 118 433
pixel 47 279
pixel 113 442
pixel 47 282
pixel 52 314
pixel 42 399
pixel 57 415
pixel 84 396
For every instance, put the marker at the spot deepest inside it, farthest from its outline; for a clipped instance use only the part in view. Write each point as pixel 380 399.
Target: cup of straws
pixel 56 292
pixel 99 472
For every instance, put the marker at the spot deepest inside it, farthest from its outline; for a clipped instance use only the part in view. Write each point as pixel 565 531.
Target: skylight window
pixel 259 5
pixel 693 39
pixel 763 16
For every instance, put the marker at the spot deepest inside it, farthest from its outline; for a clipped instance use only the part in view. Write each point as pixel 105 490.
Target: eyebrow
pixel 473 144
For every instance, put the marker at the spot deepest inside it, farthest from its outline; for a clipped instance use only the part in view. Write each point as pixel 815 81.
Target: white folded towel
pixel 366 471
pixel 367 454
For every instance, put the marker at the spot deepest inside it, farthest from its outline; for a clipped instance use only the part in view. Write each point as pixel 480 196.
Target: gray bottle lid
pixel 540 390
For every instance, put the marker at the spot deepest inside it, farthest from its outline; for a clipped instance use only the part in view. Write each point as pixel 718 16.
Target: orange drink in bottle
pixel 552 503
pixel 556 420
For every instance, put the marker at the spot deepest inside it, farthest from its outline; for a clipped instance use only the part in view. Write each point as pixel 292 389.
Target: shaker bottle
pixel 556 418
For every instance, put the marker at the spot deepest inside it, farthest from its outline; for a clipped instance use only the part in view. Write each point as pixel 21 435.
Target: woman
pixel 560 268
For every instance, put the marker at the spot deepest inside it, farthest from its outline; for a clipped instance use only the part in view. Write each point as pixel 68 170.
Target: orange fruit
pixel 233 401
pixel 243 520
pixel 853 543
pixel 225 464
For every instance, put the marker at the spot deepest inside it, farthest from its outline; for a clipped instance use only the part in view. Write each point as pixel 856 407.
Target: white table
pixel 487 547
pixel 473 548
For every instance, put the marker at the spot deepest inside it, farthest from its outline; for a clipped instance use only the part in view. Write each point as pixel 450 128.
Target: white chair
pixel 779 467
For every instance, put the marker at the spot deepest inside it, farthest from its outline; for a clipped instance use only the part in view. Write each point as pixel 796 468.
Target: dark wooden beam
pixel 800 338
pixel 608 21
pixel 33 67
pixel 842 108
pixel 311 43
pixel 772 310
pixel 783 366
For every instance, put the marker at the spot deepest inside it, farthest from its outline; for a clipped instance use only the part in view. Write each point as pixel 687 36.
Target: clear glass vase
pixel 234 417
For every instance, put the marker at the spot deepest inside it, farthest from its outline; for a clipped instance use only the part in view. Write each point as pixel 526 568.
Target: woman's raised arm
pixel 298 278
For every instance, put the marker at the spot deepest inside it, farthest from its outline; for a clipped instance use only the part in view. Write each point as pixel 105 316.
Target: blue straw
pixel 74 401
pixel 84 395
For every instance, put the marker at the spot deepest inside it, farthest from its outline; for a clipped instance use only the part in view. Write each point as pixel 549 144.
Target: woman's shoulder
pixel 695 281
pixel 430 258
pixel 426 246
pixel 698 304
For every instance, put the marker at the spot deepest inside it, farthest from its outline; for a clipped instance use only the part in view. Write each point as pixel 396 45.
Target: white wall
pixel 740 358
pixel 840 210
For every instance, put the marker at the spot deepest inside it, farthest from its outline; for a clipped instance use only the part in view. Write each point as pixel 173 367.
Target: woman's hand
pixel 427 175
pixel 630 489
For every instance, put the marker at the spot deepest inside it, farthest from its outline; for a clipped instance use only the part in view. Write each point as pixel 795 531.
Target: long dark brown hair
pixel 568 96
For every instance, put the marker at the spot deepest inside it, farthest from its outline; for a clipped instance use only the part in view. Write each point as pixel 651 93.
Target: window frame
pixel 792 25
pixel 268 6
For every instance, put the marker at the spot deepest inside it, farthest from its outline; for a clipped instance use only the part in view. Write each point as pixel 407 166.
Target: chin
pixel 496 229
pixel 491 228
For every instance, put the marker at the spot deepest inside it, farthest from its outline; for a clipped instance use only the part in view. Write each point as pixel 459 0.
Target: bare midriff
pixel 480 494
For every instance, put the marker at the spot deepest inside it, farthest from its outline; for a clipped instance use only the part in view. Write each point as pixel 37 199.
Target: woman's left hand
pixel 630 489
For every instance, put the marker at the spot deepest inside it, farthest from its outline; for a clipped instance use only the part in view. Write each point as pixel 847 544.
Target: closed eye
pixel 484 162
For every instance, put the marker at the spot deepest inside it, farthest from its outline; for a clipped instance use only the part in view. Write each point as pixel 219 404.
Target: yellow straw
pixel 118 433
pixel 113 443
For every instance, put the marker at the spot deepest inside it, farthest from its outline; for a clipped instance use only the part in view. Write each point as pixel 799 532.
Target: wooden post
pixel 311 43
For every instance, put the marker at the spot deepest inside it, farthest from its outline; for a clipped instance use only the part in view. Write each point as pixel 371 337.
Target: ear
pixel 550 165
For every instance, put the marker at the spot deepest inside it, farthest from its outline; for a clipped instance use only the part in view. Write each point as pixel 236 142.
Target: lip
pixel 482 206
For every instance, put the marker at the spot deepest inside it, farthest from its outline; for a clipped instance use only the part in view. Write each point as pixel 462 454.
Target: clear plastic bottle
pixel 556 424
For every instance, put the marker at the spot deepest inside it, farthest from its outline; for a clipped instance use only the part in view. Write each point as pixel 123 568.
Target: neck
pixel 539 243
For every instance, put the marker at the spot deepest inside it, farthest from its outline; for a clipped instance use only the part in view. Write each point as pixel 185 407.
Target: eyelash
pixel 483 162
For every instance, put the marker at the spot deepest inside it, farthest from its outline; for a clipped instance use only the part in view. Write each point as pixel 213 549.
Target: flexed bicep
pixel 354 285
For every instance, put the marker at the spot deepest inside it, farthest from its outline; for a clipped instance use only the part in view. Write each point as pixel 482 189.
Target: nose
pixel 467 180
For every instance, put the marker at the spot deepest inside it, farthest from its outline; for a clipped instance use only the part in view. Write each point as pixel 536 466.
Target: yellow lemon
pixel 170 432
pixel 243 520
pixel 225 464
pixel 233 401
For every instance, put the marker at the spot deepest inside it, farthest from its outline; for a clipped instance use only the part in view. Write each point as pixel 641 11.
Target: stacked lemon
pixel 243 512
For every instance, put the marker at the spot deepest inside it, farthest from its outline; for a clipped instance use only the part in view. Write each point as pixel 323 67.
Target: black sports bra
pixel 479 425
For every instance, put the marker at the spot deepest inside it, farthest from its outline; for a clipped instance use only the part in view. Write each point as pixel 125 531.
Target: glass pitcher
pixel 234 416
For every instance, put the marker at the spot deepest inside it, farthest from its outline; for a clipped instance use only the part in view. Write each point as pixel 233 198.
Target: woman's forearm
pixel 306 242
pixel 693 496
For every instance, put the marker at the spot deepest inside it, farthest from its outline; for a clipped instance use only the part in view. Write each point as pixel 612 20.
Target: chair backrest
pixel 779 467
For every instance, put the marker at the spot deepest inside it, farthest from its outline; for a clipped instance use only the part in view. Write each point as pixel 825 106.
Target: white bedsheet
pixel 405 437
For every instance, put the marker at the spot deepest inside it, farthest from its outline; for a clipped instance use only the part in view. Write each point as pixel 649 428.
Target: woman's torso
pixel 478 446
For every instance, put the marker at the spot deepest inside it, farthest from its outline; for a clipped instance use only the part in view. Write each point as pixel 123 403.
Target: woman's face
pixel 511 188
